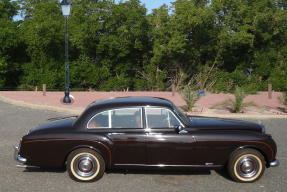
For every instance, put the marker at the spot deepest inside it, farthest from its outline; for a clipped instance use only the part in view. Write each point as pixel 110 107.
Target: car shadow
pixel 128 171
pixel 40 169
pixel 223 173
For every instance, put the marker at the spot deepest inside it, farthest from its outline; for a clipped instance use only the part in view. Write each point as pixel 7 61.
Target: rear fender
pixel 99 147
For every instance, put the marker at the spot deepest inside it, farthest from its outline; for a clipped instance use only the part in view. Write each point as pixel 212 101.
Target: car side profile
pixel 147 132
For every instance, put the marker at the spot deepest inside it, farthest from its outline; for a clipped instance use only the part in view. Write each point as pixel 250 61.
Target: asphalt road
pixel 16 121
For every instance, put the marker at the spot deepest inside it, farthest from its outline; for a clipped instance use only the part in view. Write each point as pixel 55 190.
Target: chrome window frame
pixel 110 118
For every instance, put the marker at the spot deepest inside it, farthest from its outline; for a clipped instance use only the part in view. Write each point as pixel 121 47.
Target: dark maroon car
pixel 145 132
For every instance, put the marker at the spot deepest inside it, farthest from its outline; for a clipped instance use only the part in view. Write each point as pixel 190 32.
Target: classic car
pixel 147 132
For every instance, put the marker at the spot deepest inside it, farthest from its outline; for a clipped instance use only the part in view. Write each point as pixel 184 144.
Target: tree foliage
pixel 9 45
pixel 214 45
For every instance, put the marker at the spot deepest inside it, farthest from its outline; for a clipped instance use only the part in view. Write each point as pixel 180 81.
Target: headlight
pixel 262 126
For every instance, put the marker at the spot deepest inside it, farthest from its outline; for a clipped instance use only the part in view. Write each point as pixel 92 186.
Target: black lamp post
pixel 66 10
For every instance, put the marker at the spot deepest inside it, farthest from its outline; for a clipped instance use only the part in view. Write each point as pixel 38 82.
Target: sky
pixel 153 4
pixel 149 4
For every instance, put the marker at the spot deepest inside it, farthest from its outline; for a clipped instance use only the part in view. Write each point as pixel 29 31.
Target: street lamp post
pixel 66 10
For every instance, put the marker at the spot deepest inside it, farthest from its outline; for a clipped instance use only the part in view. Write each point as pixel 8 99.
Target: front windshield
pixel 182 116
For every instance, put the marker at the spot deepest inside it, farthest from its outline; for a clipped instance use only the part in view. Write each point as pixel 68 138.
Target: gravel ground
pixel 16 121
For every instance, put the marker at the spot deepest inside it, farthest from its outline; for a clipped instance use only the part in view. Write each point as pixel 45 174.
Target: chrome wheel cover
pixel 85 165
pixel 247 167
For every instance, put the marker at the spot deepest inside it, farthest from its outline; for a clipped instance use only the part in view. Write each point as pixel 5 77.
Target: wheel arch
pixel 104 153
pixel 264 154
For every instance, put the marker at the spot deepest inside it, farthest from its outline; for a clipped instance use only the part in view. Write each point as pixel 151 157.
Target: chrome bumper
pixel 18 158
pixel 274 163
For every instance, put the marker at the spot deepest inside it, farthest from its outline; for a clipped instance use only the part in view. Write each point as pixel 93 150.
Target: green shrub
pixel 239 78
pixel 151 78
pixel 284 98
pixel 25 87
pixel 204 79
pixel 116 83
pixel 86 73
pixel 226 82
pixel 189 96
pixel 223 82
pixel 236 105
pixel 278 79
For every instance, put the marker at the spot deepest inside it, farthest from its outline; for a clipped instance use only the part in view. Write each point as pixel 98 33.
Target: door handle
pixel 116 134
pixel 183 132
pixel 148 133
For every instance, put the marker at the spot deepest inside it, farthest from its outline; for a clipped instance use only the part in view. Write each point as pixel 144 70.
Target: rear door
pixel 125 130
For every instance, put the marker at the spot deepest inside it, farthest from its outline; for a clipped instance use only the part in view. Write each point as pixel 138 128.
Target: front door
pixel 165 146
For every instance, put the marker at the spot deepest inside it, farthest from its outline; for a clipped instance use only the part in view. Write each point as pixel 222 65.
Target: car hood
pixel 212 123
pixel 54 126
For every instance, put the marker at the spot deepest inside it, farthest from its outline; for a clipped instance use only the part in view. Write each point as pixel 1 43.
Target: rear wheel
pixel 85 165
pixel 246 165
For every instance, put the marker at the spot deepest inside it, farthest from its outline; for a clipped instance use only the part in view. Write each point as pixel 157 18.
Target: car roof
pixel 121 102
pixel 131 101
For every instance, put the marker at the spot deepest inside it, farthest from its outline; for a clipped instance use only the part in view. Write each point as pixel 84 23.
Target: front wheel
pixel 85 165
pixel 246 165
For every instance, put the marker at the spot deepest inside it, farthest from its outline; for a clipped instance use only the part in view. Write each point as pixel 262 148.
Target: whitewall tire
pixel 246 165
pixel 85 165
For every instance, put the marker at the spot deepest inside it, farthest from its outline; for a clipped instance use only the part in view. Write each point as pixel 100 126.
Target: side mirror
pixel 180 130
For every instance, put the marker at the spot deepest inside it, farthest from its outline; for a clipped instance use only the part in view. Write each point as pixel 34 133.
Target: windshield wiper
pixel 59 118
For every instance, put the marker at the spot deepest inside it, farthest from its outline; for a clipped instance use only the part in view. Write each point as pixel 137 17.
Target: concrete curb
pixel 77 112
pixel 245 116
pixel 39 107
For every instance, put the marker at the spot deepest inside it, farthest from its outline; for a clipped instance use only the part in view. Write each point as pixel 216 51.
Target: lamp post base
pixel 67 99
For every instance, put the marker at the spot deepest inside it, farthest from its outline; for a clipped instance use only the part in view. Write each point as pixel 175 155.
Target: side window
pixel 160 118
pixel 173 122
pixel 117 118
pixel 126 118
pixel 100 120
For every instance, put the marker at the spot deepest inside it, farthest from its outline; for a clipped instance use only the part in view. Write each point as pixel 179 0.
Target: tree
pixel 9 41
pixel 213 45
pixel 185 40
pixel 43 32
pixel 114 38
pixel 252 35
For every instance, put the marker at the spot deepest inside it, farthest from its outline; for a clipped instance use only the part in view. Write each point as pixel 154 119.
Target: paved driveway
pixel 16 121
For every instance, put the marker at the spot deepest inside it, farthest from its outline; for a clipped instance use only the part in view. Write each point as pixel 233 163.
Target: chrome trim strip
pixel 274 163
pixel 26 166
pixel 21 166
pixel 110 119
pixel 164 165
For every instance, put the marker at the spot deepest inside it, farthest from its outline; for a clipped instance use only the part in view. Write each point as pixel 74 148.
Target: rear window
pixel 117 118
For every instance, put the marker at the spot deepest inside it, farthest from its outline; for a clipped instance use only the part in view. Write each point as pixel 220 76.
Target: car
pixel 147 133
